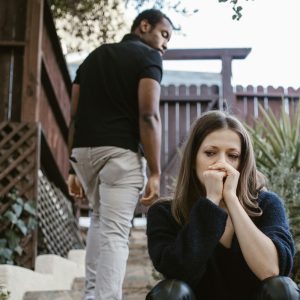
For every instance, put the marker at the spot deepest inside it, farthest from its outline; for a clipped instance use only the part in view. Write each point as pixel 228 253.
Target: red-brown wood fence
pixel 34 110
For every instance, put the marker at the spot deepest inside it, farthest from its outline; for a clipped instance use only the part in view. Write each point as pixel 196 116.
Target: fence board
pixel 12 18
pixel 179 107
pixel 5 62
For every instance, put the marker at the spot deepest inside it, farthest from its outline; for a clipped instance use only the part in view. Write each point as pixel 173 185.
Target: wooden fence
pixel 248 100
pixel 179 107
pixel 35 84
pixel 35 91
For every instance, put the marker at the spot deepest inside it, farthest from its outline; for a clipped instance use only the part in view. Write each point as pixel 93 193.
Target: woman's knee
pixel 171 289
pixel 278 288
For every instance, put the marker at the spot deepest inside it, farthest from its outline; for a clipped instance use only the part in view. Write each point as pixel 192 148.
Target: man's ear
pixel 145 26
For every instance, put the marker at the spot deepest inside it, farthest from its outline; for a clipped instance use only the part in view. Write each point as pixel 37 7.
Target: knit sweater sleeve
pixel 182 252
pixel 274 224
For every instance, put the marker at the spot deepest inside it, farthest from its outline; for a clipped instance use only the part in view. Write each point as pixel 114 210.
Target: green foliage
pixel 276 142
pixel 166 5
pixel 17 219
pixel 277 138
pixel 237 9
pixel 85 24
pixel 4 293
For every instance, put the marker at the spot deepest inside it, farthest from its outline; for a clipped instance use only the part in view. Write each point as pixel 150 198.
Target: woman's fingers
pixel 213 182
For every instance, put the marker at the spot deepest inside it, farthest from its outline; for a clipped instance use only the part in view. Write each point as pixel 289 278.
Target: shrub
pixel 17 219
pixel 276 142
pixel 4 293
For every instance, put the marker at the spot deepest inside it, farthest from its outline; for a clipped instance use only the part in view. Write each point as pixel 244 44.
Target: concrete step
pixel 56 278
pixel 54 295
pixel 78 284
pixel 132 294
pixel 52 272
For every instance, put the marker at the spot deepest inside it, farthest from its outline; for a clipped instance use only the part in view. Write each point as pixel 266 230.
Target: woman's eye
pixel 233 156
pixel 209 153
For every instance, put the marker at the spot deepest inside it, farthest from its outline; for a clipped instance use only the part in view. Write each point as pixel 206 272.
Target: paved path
pixel 140 273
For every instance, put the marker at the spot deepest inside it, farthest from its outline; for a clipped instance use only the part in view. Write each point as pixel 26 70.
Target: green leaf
pixel 272 123
pixel 6 253
pixel 20 201
pixel 30 208
pixel 21 225
pixel 13 239
pixel 11 216
pixel 3 243
pixel 32 223
pixel 17 209
pixel 19 250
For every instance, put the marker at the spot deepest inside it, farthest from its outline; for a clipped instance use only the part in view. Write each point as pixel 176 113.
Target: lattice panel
pixel 19 161
pixel 57 224
pixel 18 158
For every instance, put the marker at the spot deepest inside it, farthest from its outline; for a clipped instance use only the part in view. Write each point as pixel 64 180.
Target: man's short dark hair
pixel 153 16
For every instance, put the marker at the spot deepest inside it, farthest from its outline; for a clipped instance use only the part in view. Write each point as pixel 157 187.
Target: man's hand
pixel 151 191
pixel 75 187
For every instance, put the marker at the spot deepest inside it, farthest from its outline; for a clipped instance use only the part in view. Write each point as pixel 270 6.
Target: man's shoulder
pixel 136 44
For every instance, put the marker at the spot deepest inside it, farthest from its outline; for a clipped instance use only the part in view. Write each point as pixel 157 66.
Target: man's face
pixel 157 37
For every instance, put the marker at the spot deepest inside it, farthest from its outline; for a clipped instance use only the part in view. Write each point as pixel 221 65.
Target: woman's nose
pixel 221 158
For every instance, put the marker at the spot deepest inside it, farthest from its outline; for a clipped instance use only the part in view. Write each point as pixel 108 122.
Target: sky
pixel 270 27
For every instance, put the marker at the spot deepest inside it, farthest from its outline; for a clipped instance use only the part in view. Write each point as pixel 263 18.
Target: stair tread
pixel 138 279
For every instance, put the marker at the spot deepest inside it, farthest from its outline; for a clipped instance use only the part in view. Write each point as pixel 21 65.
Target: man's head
pixel 154 28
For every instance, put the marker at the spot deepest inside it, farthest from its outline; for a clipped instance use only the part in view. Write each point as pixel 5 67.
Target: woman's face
pixel 223 145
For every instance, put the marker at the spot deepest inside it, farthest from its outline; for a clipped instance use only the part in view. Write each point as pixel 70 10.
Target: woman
pixel 223 236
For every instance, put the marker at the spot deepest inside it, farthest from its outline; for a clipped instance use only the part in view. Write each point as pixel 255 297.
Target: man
pixel 115 105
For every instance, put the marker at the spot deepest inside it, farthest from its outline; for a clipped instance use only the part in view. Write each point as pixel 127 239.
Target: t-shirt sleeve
pixel 151 66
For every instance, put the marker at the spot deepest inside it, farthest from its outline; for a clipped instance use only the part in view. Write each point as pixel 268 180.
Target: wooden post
pixel 224 54
pixel 32 60
pixel 227 90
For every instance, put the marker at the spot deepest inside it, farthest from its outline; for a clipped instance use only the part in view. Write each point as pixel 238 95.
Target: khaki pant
pixel 113 179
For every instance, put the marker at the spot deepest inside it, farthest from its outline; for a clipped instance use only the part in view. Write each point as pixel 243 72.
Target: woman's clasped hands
pixel 220 181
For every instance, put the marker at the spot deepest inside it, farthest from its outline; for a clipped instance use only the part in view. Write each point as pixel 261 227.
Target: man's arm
pixel 74 106
pixel 150 134
pixel 74 186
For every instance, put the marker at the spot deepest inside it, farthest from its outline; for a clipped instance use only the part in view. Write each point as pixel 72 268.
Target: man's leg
pixel 87 171
pixel 91 258
pixel 122 179
pixel 122 174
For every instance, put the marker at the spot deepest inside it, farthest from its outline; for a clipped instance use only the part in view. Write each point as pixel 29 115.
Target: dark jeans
pixel 273 288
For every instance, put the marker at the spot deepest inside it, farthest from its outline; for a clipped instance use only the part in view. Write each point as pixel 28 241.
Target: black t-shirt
pixel 107 113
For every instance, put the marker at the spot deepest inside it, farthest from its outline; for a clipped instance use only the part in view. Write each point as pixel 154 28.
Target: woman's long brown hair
pixel 189 189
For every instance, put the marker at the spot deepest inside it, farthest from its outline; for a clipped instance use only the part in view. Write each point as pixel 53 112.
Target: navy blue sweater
pixel 192 252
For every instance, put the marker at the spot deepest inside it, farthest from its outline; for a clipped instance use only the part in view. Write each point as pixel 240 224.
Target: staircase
pixel 65 277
